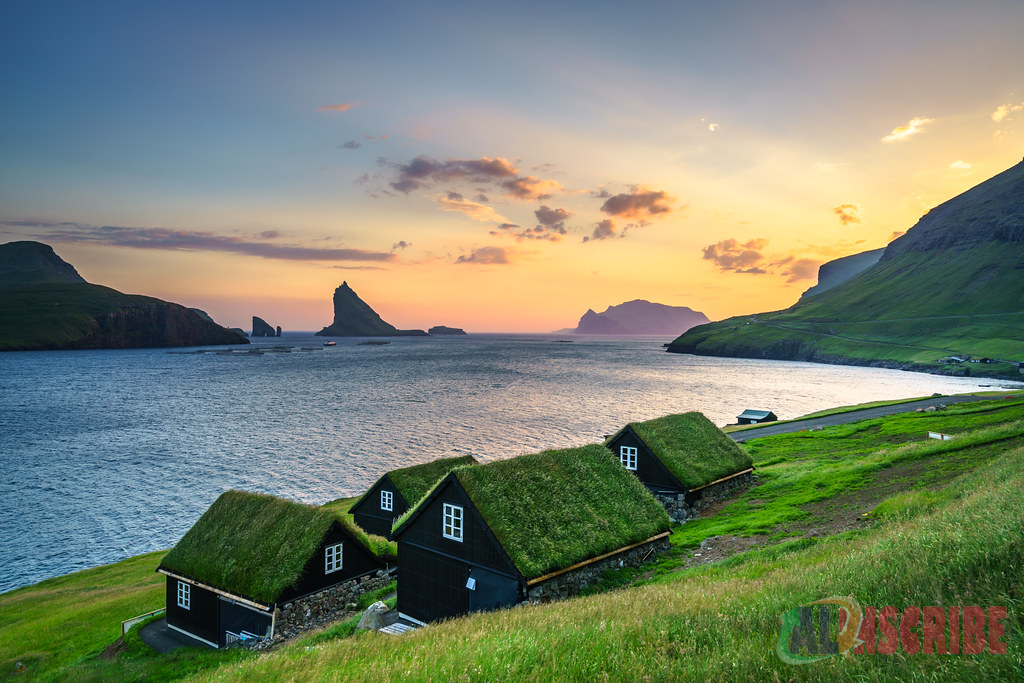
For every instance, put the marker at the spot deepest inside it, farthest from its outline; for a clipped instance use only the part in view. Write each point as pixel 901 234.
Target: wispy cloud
pixel 189 240
pixel 486 256
pixel 1003 111
pixel 351 144
pixel 423 170
pixel 802 269
pixel 913 127
pixel 344 106
pixel 848 213
pixel 401 244
pixel 454 201
pixel 960 165
pixel 603 230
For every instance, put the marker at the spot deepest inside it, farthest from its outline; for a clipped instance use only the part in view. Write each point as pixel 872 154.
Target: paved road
pixel 771 429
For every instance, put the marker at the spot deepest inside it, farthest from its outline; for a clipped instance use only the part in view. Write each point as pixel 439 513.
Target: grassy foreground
pixel 871 509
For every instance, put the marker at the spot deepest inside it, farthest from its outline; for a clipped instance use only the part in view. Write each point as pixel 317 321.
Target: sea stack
pixel 353 317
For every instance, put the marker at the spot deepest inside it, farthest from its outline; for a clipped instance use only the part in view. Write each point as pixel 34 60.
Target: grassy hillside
pixel 953 285
pixel 871 509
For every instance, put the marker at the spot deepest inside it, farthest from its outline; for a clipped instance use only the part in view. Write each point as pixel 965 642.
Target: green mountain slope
pixel 952 285
pixel 46 304
pixel 353 317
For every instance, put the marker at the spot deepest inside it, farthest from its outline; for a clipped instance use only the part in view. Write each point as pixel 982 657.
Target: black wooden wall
pixel 368 514
pixel 649 468
pixel 356 561
pixel 202 620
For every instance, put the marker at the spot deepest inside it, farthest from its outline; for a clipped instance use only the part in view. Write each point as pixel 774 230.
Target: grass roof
pixel 253 544
pixel 553 509
pixel 693 449
pixel 416 481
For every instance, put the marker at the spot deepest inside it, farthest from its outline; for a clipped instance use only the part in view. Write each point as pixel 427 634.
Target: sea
pixel 113 453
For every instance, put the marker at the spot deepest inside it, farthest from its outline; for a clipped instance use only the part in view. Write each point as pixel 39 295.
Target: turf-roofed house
pixel 684 460
pixel 398 490
pixel 536 527
pixel 255 566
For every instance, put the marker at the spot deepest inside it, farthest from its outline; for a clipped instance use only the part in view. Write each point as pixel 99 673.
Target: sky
pixel 500 167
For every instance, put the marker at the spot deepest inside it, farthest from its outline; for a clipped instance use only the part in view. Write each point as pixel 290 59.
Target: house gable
pixel 356 561
pixel 369 513
pixel 649 468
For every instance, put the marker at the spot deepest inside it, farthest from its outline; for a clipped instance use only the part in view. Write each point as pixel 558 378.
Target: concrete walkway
pixel 771 429
pixel 162 639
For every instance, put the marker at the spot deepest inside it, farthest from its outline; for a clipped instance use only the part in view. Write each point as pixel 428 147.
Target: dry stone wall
pixel 331 604
pixel 572 583
pixel 679 510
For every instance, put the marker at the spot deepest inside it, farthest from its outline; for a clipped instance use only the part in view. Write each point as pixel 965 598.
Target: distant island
pixel 46 304
pixel 443 330
pixel 946 297
pixel 639 317
pixel 354 318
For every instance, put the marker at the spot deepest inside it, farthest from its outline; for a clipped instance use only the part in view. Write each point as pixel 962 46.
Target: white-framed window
pixel 387 500
pixel 332 558
pixel 184 595
pixel 452 526
pixel 627 455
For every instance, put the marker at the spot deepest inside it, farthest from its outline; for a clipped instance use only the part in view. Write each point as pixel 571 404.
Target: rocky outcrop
pixel 640 317
pixel 48 306
pixel 443 330
pixel 260 328
pixel 837 272
pixel 354 318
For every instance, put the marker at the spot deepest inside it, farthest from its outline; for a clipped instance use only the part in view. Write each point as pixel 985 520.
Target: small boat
pixel 330 343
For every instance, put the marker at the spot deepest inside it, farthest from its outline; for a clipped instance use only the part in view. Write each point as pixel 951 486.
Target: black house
pixel 398 490
pixel 752 417
pixel 249 554
pixel 493 535
pixel 678 454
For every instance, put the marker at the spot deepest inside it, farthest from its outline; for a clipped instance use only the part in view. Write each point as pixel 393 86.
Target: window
pixel 184 595
pixel 386 498
pixel 452 522
pixel 627 454
pixel 332 558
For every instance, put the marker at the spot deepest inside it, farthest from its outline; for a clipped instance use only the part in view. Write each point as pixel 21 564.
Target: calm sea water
pixel 108 454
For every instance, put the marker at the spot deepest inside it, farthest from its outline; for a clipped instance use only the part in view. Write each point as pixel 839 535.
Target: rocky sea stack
pixel 46 304
pixel 441 330
pixel 261 328
pixel 353 317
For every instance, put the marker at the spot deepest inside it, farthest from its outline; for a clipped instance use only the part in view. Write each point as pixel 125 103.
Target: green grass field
pixel 872 509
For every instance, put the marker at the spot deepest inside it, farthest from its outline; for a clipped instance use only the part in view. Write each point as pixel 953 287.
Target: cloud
pixel 848 213
pixel 423 170
pixel 713 127
pixel 345 106
pixel 553 219
pixel 188 240
pixel 478 212
pixel 401 244
pixel 531 188
pixel 351 144
pixel 481 198
pixel 960 165
pixel 897 233
pixel 731 254
pixel 602 230
pixel 638 204
pixel 802 269
pixel 486 256
pixel 1003 111
pixel 915 126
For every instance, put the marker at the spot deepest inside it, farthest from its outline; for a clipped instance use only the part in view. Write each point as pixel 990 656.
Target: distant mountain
pixel 640 317
pixel 842 269
pixel 445 330
pixel 952 285
pixel 354 318
pixel 46 304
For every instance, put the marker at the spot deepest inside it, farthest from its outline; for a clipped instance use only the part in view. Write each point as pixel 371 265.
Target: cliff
pixel 835 273
pixel 260 328
pixel 354 318
pixel 46 304
pixel 640 317
pixel 951 286
pixel 444 330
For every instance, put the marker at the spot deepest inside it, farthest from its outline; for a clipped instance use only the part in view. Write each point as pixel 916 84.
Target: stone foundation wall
pixel 571 583
pixel 330 604
pixel 679 510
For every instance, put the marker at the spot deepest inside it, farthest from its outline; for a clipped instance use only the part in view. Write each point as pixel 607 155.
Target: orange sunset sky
pixel 497 167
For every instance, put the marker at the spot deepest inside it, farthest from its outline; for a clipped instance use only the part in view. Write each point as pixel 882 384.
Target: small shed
pixel 398 490
pixel 251 555
pixel 753 417
pixel 684 460
pixel 535 527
